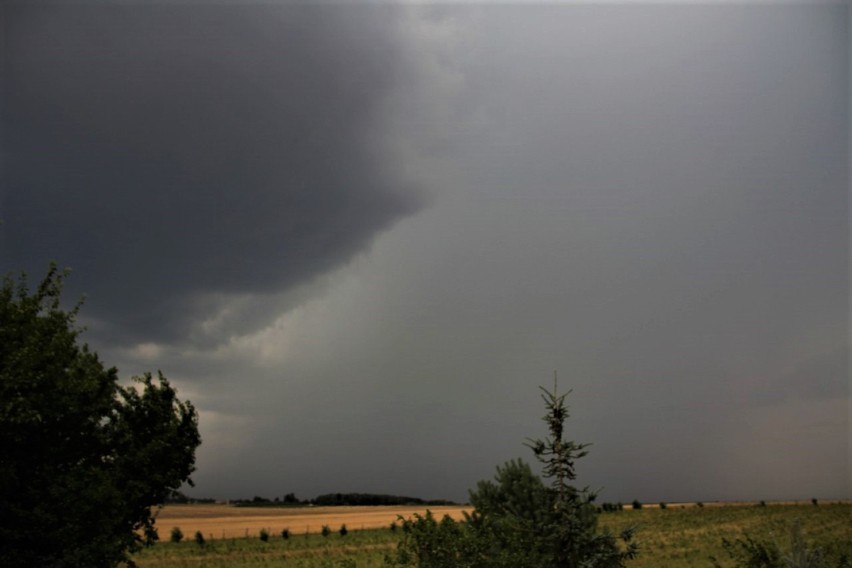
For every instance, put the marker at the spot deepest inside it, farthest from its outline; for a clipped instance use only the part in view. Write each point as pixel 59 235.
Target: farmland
pixel 223 521
pixel 675 537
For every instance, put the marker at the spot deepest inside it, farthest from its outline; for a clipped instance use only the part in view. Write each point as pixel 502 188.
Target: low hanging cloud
pixel 180 157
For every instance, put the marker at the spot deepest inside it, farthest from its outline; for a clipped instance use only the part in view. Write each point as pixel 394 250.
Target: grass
pixel 673 537
pixel 362 548
pixel 688 537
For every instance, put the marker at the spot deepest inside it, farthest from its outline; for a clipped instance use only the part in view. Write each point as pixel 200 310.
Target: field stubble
pixel 225 521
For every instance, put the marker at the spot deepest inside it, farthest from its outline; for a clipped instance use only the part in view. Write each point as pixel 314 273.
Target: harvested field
pixel 226 521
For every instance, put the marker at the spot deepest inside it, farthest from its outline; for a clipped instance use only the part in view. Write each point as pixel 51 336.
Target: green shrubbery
pixel 518 521
pixel 748 552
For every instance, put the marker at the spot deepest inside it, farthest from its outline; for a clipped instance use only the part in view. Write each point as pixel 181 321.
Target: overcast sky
pixel 358 238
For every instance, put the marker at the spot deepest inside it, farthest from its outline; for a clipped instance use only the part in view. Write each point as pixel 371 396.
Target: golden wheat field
pixel 226 521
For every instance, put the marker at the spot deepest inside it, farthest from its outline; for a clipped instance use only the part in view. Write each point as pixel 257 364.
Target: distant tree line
pixel 353 499
pixel 341 499
pixel 178 498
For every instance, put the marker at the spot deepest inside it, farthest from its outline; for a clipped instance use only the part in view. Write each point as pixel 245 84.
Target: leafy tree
pixel 84 459
pixel 518 521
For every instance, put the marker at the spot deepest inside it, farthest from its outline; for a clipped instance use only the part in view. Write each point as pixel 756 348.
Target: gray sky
pixel 358 238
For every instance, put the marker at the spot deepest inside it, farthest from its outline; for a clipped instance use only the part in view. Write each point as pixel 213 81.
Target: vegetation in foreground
pixel 520 522
pixel 84 458
pixel 674 537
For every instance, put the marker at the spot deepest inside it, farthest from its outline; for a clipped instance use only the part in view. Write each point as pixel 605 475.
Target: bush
pixel 177 535
pixel 518 521
pixel 394 527
pixel 285 534
pixel 326 530
pixel 748 552
pixel 428 543
pixel 199 538
pixel 637 504
pixel 264 535
pixel 699 504
pixel 343 530
pixel 663 505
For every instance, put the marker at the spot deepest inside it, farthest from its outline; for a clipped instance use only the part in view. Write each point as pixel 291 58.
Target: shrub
pixel 518 521
pixel 637 504
pixel 264 535
pixel 285 534
pixel 699 504
pixel 748 552
pixel 814 502
pixel 326 530
pixel 394 527
pixel 611 507
pixel 199 538
pixel 343 530
pixel 177 535
pixel 663 505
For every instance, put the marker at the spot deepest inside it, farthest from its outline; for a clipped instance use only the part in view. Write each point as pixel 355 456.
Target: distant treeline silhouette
pixel 353 499
pixel 329 499
pixel 179 498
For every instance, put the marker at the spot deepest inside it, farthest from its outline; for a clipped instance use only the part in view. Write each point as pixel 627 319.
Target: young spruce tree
pixel 571 533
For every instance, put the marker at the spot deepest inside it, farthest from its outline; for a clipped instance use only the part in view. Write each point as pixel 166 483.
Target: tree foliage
pixel 84 458
pixel 519 521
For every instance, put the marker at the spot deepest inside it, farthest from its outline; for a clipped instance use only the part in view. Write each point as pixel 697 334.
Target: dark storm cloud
pixel 175 154
pixel 652 200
